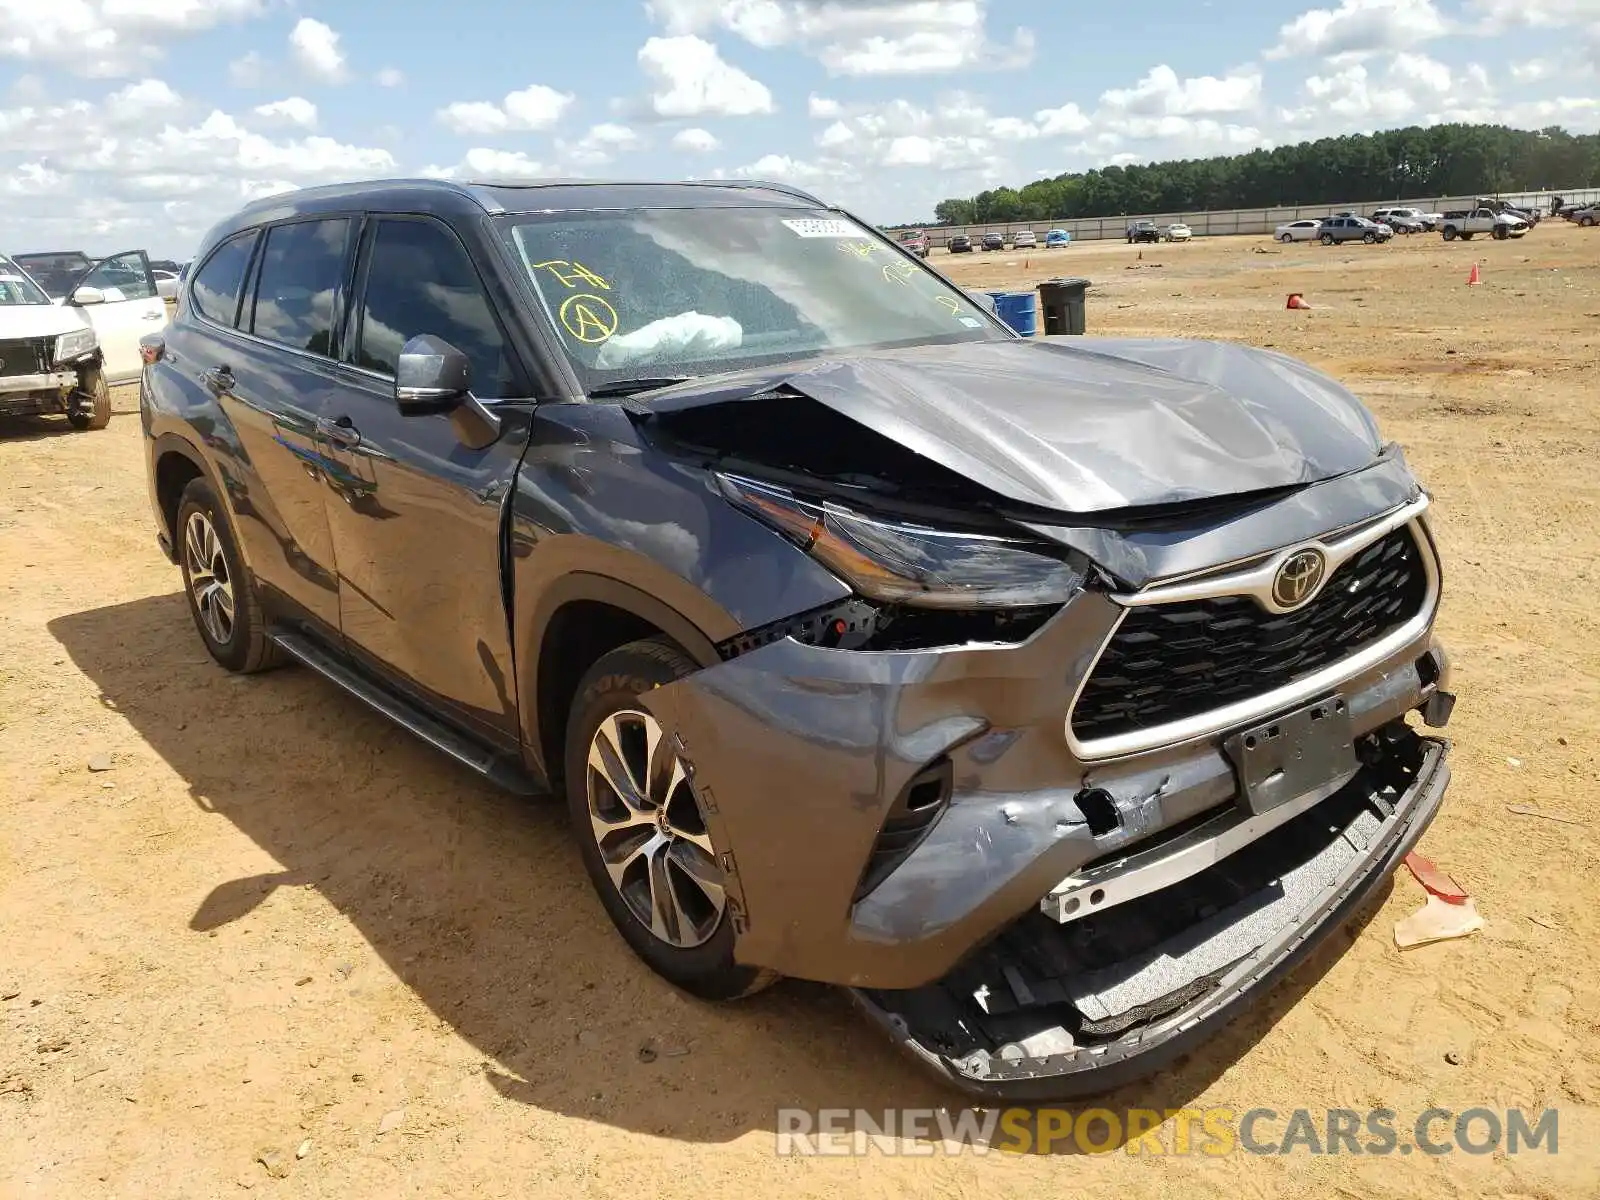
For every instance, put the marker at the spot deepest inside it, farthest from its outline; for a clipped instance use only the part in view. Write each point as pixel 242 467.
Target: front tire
pixel 641 830
pixel 222 599
pixel 97 415
pixel 1327 239
pixel 1286 238
pixel 1449 233
pixel 1369 238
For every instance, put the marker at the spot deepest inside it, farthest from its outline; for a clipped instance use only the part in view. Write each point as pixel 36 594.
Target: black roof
pixel 446 197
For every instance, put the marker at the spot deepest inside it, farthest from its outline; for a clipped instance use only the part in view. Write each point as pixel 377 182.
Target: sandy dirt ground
pixel 277 924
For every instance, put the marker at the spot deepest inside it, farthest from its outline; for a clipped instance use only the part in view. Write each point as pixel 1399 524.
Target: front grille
pixel 30 357
pixel 1167 662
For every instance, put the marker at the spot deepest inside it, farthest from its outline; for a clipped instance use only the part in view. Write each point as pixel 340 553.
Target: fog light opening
pixel 1099 811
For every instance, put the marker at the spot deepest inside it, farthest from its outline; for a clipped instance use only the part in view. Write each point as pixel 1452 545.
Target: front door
pixel 414 513
pixel 127 307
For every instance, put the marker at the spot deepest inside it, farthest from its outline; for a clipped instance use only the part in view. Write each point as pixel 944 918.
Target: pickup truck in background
pixel 1465 223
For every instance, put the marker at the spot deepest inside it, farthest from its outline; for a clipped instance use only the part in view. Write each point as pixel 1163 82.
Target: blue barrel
pixel 1016 309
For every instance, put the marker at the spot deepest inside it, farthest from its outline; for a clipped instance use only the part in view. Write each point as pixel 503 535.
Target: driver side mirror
pixel 431 375
pixel 88 295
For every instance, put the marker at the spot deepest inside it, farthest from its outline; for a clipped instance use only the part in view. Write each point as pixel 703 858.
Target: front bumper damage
pixel 954 932
pixel 1051 1012
pixel 44 393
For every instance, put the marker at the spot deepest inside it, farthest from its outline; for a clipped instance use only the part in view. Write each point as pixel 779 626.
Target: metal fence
pixel 1247 220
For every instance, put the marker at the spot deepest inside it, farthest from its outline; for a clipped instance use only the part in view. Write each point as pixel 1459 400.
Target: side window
pixel 421 280
pixel 215 291
pixel 125 277
pixel 298 282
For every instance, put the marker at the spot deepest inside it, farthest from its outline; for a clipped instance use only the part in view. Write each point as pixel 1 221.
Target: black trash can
pixel 1062 303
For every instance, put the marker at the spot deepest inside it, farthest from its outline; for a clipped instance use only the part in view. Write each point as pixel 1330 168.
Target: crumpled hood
pixel 37 320
pixel 1082 424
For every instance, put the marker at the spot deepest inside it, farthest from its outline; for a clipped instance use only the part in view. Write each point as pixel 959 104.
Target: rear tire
pixel 93 384
pixel 1586 222
pixel 657 856
pixel 222 598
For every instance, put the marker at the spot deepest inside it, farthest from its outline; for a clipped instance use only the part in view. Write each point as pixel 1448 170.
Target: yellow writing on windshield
pixel 859 249
pixel 900 273
pixel 950 303
pixel 588 318
pixel 571 274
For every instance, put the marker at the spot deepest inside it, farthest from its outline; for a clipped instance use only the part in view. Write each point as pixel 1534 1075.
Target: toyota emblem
pixel 1298 577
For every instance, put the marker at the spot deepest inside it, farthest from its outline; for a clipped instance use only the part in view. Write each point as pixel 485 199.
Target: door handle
pixel 154 317
pixel 341 431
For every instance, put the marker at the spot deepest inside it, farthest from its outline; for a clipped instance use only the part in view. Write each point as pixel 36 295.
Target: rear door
pixel 414 513
pixel 127 308
pixel 273 379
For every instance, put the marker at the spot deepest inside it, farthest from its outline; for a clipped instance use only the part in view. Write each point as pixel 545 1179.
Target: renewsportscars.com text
pixel 1212 1132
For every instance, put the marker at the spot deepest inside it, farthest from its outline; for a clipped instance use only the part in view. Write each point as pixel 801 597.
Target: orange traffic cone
pixel 1296 301
pixel 1473 278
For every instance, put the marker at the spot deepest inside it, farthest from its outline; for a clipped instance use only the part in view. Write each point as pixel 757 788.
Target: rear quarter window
pixel 216 287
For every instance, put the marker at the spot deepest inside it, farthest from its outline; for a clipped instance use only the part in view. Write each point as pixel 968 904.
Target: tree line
pixel 1397 164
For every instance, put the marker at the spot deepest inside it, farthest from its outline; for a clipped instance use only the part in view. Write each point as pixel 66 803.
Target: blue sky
pixel 139 122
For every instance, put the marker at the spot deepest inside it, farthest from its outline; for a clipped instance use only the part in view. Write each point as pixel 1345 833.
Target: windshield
pixel 694 291
pixel 55 273
pixel 16 287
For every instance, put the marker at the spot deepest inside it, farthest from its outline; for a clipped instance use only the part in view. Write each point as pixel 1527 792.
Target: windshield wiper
pixel 629 387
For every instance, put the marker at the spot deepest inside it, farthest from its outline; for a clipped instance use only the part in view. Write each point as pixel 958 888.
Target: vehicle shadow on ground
pixel 32 429
pixel 478 903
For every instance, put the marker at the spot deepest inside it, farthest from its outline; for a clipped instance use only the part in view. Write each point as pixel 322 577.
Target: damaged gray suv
pixel 1053 695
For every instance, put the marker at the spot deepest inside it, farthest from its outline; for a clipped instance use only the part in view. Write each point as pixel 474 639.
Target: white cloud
pixel 857 37
pixel 108 38
pixel 1499 15
pixel 1067 119
pixel 692 80
pixel 1412 88
pixel 600 145
pixel 389 77
pixel 823 109
pixel 294 110
pixel 247 70
pixel 1161 93
pixel 785 169
pixel 143 101
pixel 535 107
pixel 315 46
pixel 695 141
pixel 131 168
pixel 835 135
pixel 484 163
pixel 1358 28
pixel 1013 129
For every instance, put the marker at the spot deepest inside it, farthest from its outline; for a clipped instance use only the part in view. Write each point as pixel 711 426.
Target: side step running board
pixel 494 767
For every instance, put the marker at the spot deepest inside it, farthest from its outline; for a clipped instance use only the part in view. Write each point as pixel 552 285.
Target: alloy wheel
pixel 651 834
pixel 209 580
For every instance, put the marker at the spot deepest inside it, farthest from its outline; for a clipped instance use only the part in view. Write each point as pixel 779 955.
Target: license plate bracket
pixel 1290 755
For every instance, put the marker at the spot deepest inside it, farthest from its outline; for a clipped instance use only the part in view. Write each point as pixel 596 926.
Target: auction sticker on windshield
pixel 817 227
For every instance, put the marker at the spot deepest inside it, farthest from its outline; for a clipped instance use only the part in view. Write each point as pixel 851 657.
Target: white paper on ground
pixel 1436 921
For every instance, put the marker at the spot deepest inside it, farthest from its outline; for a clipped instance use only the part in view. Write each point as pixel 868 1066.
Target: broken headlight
pixel 901 563
pixel 74 345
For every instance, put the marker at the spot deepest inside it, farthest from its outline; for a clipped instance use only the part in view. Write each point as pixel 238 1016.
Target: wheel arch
pixel 174 462
pixel 579 618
